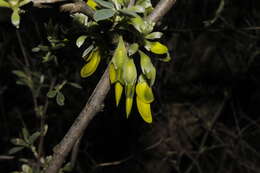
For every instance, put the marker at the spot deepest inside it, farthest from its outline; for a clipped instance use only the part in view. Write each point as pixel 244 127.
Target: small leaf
pixel 75 85
pixel 15 150
pixel 105 4
pixel 118 92
pixel 25 134
pixel 18 141
pixel 68 167
pixel 89 68
pixel 60 98
pixel 52 93
pixel 33 137
pixel 26 168
pixel 144 110
pixel 128 12
pixel 80 41
pixel 137 9
pixel 133 48
pixel 86 51
pixel 3 3
pixel 19 73
pixel 15 18
pixel 45 129
pixel 154 35
pixel 103 14
pixel 166 59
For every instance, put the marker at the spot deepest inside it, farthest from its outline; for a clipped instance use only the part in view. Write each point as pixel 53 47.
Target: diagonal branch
pixel 161 9
pixel 93 105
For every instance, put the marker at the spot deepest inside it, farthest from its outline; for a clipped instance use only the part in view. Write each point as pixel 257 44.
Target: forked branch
pixel 93 105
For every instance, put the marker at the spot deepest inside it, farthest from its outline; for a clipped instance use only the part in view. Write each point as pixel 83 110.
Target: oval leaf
pixel 80 41
pixel 104 3
pixel 15 150
pixel 60 98
pixel 103 14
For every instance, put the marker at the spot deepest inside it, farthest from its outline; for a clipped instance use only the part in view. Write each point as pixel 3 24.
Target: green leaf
pixel 105 4
pixel 25 134
pixel 15 150
pixel 26 168
pixel 19 141
pixel 154 35
pixel 67 167
pixel 3 3
pixel 103 14
pixel 33 137
pixel 60 98
pixel 15 18
pixel 52 93
pixel 19 73
pixel 80 41
pixel 137 9
pixel 167 58
pixel 75 85
pixel 128 12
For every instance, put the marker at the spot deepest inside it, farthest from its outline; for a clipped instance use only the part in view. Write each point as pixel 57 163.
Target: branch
pixel 161 9
pixel 94 103
pixel 78 7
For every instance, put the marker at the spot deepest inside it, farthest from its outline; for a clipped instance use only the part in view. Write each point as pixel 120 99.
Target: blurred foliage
pixel 205 113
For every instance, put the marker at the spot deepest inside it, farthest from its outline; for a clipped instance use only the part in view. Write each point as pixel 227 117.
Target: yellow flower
pixel 144 110
pixel 118 92
pixel 92 4
pixel 112 73
pixel 93 62
pixel 144 92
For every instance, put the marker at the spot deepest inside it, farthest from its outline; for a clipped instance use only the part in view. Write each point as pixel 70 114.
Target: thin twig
pixel 93 105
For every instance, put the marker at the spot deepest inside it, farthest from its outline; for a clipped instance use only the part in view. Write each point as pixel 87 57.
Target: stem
pixel 92 107
pixel 161 9
pixel 94 103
